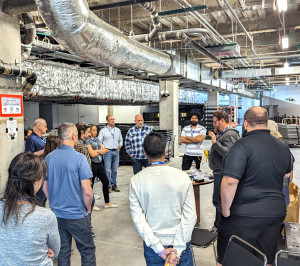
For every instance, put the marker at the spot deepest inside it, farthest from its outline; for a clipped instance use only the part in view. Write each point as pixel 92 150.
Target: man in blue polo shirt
pixel 36 144
pixel 68 188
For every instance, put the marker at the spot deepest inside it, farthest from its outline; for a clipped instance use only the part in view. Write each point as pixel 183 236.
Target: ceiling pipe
pixel 81 32
pixel 188 32
pixel 27 73
pixel 181 35
pixel 29 36
pixel 119 4
pixel 155 19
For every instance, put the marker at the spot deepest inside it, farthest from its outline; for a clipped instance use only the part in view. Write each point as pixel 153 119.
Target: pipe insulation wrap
pixel 81 32
pixel 62 80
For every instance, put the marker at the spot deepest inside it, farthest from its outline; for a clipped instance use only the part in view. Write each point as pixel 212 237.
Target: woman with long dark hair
pixel 28 233
pixel 96 150
pixel 52 142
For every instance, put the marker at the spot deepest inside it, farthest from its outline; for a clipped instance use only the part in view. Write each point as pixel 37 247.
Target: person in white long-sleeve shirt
pixel 162 206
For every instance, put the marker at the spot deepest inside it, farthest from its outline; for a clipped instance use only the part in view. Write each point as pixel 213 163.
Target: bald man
pixel 253 206
pixel 134 143
pixel 36 144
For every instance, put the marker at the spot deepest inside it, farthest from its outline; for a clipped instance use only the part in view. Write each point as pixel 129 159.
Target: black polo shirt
pixel 259 161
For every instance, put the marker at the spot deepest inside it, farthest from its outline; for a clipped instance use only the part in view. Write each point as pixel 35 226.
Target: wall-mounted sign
pixel 11 105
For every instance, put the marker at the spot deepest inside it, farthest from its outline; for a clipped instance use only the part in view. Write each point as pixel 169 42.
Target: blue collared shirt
pixel 134 141
pixel 35 143
pixel 66 169
pixel 111 138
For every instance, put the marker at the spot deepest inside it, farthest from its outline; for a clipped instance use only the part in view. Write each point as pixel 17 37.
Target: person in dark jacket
pixel 221 143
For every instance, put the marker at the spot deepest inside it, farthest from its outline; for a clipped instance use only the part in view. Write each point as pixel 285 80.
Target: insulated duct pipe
pixel 27 73
pixel 82 33
pixel 29 36
pixel 155 19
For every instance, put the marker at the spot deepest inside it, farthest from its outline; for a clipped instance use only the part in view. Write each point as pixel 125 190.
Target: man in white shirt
pixel 162 206
pixel 192 136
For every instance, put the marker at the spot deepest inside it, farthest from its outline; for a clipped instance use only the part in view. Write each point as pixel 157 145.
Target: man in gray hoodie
pixel 221 143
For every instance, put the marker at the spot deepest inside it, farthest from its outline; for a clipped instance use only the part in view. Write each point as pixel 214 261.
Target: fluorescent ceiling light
pixel 282 5
pixel 285 42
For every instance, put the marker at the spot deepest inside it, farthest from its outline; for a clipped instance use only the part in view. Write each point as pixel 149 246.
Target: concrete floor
pixel 118 243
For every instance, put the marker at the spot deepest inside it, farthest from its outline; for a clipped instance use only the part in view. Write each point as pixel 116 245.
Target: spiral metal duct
pixel 81 32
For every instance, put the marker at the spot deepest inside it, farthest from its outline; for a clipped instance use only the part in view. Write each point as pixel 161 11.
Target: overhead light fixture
pixel 285 42
pixel 282 5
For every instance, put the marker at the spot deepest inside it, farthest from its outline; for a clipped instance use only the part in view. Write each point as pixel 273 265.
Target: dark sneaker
pixel 115 188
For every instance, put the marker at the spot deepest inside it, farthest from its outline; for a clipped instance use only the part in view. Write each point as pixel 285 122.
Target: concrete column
pixel 168 109
pixel 10 53
pixel 110 110
pixel 212 98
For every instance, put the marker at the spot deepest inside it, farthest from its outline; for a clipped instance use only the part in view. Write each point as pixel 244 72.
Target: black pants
pixel 99 171
pixel 188 160
pixel 261 232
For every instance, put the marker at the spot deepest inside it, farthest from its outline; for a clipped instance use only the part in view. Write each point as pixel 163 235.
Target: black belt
pixel 112 149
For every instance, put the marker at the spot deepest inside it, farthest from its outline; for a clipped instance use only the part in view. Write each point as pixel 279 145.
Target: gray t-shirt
pixel 27 243
pixel 96 145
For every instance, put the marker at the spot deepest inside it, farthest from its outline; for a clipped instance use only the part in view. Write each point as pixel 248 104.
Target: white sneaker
pixel 110 206
pixel 96 196
pixel 95 208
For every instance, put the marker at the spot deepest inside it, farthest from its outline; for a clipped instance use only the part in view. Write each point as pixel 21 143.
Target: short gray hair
pixel 66 130
pixel 38 121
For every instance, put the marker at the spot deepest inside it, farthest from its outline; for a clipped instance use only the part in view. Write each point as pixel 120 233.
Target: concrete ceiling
pixel 263 24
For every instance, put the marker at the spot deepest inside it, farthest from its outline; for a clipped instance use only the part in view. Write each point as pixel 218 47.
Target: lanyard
pixel 94 140
pixel 156 163
pixel 222 132
pixel 83 143
pixel 112 134
pixel 192 131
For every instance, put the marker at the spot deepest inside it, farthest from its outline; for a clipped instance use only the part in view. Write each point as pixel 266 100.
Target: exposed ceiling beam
pixel 119 4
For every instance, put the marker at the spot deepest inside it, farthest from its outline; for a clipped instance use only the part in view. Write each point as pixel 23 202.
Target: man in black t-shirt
pixel 253 206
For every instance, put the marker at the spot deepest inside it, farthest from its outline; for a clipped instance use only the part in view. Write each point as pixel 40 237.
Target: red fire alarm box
pixel 11 105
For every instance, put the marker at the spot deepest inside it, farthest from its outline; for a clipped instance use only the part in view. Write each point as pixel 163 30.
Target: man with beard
pixel 134 142
pixel 221 143
pixel 192 136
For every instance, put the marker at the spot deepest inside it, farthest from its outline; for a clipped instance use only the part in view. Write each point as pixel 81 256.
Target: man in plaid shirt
pixel 134 143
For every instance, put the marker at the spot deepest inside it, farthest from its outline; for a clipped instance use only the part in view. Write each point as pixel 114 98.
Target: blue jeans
pixel 111 164
pixel 152 259
pixel 138 164
pixel 80 230
pixel 217 199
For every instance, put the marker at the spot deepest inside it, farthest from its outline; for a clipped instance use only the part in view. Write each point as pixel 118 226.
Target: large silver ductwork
pixel 81 32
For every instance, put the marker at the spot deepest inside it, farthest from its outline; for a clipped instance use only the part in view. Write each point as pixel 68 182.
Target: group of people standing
pixel 248 189
pixel 248 184
pixel 63 170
